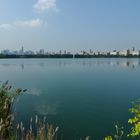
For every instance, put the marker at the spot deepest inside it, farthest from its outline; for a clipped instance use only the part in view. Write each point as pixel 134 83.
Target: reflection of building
pixel 129 63
pixel 124 63
pixel 22 66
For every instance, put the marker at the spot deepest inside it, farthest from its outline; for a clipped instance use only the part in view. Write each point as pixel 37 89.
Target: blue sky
pixel 71 25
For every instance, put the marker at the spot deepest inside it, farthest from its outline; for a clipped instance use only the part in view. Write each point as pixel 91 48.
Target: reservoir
pixel 84 97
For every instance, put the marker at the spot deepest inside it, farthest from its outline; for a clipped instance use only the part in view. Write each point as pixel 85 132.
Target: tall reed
pixel 7 99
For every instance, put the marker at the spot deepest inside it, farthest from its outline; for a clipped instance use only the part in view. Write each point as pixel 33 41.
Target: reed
pixel 41 131
pixel 38 130
pixel 7 99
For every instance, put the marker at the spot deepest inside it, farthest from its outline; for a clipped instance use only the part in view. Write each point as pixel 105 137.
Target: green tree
pixel 135 120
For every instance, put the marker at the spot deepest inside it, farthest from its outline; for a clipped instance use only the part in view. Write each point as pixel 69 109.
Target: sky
pixel 71 25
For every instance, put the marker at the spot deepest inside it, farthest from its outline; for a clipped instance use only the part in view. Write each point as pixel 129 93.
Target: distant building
pixel 113 53
pixel 41 52
pixel 15 53
pixel 21 51
pixel 28 53
pixel 90 52
pixel 134 53
pixel 130 52
pixel 65 52
pixel 96 53
pixel 105 53
pixel 60 52
pixel 5 52
pixel 84 53
pixel 101 53
pixel 68 52
pixel 123 53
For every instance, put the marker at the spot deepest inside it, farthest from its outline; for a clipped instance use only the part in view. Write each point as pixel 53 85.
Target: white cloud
pixel 6 26
pixel 45 5
pixel 35 23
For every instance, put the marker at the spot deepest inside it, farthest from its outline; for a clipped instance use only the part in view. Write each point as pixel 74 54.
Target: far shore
pixel 65 56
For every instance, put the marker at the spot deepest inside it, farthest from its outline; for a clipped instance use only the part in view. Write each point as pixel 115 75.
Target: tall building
pixel 42 52
pixel 21 51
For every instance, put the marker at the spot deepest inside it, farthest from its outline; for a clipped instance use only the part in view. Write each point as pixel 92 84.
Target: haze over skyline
pixel 69 25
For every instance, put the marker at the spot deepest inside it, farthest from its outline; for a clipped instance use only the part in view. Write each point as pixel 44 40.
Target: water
pixel 82 96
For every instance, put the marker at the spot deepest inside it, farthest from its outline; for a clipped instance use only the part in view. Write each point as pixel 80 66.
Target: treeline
pixel 2 56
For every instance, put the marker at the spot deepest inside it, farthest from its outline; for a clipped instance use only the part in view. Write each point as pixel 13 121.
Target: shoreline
pixel 71 56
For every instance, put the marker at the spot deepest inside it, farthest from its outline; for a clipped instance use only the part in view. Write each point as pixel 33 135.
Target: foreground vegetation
pixel 40 129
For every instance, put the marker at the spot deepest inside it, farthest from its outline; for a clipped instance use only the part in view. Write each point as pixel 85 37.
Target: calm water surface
pixel 82 96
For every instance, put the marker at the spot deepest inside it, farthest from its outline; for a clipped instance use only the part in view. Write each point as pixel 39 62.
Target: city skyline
pixel 69 25
pixel 23 52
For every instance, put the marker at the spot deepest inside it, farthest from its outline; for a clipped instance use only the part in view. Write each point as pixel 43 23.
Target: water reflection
pixel 22 66
pixel 46 109
pixel 23 63
pixel 42 104
pixel 37 102
pixel 34 92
